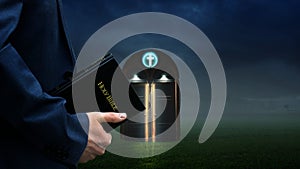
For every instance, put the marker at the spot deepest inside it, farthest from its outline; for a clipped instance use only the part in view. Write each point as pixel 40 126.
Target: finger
pixel 94 148
pixel 98 149
pixel 92 156
pixel 86 156
pixel 112 117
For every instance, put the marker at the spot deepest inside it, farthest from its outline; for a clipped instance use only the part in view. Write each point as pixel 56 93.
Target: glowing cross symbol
pixel 150 59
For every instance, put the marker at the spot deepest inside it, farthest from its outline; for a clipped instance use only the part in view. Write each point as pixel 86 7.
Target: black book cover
pixel 100 75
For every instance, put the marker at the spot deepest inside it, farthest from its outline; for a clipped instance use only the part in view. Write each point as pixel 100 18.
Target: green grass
pixel 270 142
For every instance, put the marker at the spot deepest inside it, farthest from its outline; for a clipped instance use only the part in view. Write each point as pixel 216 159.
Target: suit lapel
pixel 60 8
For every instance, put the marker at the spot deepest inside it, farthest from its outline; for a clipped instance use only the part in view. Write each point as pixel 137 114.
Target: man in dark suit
pixel 35 129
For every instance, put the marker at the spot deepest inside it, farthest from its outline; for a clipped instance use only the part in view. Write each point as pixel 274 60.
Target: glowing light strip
pixel 146 111
pixel 153 106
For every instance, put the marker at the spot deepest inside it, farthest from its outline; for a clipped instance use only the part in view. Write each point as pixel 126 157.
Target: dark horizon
pixel 256 41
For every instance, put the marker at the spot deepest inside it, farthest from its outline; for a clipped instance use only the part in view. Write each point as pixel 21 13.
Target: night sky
pixel 257 41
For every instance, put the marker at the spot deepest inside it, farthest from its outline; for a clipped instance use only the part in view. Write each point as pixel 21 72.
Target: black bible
pixel 100 76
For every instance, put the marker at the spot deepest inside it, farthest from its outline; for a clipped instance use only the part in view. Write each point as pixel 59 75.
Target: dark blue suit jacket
pixel 36 132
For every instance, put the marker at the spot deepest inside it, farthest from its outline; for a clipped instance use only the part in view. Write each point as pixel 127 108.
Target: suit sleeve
pixel 40 118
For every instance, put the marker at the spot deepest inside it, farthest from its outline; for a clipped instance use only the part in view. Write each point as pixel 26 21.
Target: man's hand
pixel 98 138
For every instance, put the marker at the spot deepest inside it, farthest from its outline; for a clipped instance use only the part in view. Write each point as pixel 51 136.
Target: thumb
pixel 112 117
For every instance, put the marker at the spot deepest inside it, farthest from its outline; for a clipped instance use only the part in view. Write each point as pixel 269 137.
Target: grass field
pixel 262 142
